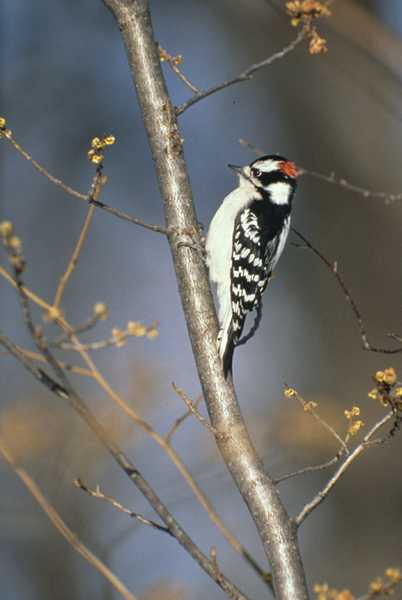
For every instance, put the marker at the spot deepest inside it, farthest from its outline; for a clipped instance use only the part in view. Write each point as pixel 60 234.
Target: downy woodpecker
pixel 245 241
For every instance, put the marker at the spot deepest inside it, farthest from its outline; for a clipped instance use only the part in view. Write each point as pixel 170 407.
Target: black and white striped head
pixel 270 177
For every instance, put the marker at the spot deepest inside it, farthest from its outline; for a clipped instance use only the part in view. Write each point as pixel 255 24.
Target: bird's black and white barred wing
pixel 253 259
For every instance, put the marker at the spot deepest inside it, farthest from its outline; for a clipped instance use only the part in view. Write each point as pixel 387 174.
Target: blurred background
pixel 65 79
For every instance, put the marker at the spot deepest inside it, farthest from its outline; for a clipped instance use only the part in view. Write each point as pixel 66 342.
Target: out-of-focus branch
pixel 99 495
pixel 365 444
pixel 245 75
pixel 357 25
pixel 74 258
pixel 96 189
pixel 352 21
pixel 388 197
pixel 273 524
pixel 130 412
pixel 66 392
pixel 61 526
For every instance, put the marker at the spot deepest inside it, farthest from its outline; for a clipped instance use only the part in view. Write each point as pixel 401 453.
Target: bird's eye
pixel 256 172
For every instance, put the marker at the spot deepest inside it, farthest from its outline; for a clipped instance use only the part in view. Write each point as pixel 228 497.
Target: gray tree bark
pixel 277 531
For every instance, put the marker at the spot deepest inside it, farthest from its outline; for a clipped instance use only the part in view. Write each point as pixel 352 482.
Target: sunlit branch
pixel 365 444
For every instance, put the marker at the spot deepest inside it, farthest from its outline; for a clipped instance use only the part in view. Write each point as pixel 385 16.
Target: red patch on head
pixel 288 168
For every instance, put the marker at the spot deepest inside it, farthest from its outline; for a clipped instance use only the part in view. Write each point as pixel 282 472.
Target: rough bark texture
pixel 277 532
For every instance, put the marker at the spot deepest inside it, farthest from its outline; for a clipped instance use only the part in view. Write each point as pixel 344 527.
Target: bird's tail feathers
pixel 227 344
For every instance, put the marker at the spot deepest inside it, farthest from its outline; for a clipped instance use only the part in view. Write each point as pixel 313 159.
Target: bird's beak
pixel 236 169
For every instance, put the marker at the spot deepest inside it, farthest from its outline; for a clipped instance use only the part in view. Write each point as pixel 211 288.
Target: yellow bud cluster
pixel 376 586
pixel 100 311
pixel 307 8
pixel 96 154
pixel 324 592
pixel 309 406
pixel 385 391
pixel 387 376
pixel 355 427
pixel 3 123
pixel 152 333
pixel 304 12
pixel 166 57
pixel 393 574
pixel 119 337
pixel 13 245
pixel 354 412
pixel 289 392
pixel 53 314
pixel 136 329
pixel 6 229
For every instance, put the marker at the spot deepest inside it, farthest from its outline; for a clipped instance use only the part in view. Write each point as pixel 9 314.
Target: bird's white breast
pixel 219 245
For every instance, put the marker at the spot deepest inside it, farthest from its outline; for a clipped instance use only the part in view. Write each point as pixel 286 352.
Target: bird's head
pixel 269 176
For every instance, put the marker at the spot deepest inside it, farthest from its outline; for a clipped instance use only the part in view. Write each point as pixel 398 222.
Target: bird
pixel 245 240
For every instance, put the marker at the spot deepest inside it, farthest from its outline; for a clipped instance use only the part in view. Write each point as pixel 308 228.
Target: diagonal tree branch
pixel 62 527
pixel 65 391
pixel 277 532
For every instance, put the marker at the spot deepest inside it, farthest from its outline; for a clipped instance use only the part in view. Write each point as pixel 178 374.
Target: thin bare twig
pixel 333 267
pixel 366 443
pixel 61 526
pixel 309 407
pixel 245 75
pixel 58 182
pixel 118 338
pixel 174 62
pixel 388 197
pixel 74 258
pixel 84 327
pixel 310 469
pixel 96 188
pixel 180 420
pixel 99 495
pixel 120 214
pixel 191 407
